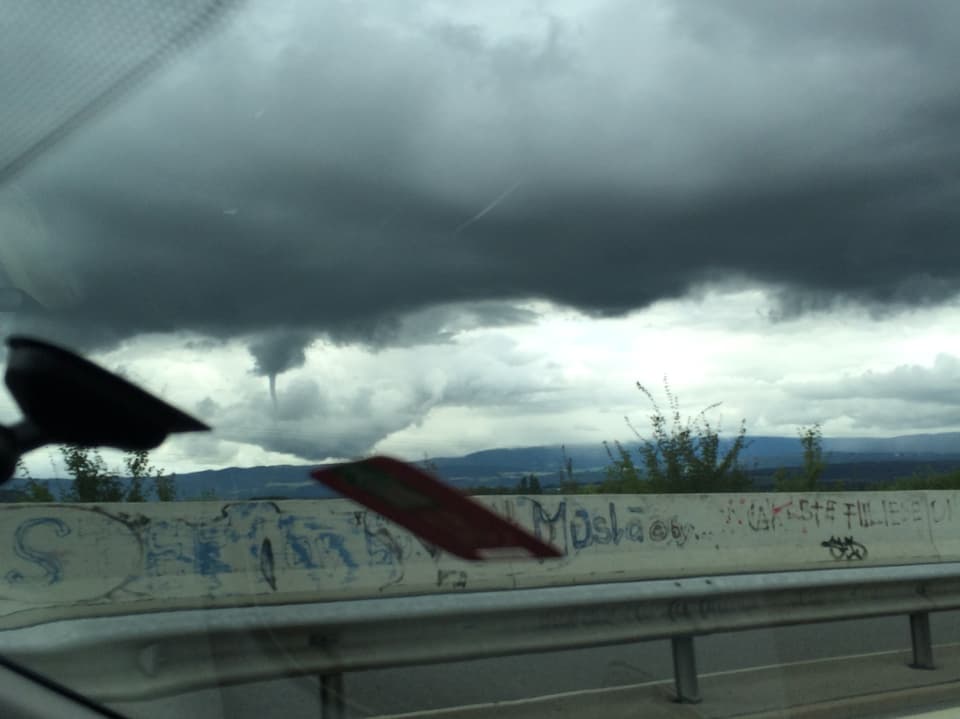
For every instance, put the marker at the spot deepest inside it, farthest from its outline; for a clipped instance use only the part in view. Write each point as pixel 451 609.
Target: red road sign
pixel 433 510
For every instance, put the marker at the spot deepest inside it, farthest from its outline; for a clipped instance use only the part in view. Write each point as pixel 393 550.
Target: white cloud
pixel 563 378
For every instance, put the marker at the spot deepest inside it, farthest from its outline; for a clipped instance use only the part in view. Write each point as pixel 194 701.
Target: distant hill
pixel 928 445
pixel 234 483
pixel 856 461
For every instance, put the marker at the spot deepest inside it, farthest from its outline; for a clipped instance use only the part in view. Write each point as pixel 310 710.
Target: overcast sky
pixel 440 227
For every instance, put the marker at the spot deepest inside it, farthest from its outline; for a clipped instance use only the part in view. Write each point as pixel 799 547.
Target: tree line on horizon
pixel 91 480
pixel 684 456
pixel 679 456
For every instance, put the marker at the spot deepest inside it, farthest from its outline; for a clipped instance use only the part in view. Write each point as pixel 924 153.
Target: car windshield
pixel 586 357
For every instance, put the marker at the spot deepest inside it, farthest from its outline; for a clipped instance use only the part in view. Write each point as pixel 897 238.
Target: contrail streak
pixel 500 198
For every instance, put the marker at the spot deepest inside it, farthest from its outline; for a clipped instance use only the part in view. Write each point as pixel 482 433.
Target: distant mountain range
pixel 858 461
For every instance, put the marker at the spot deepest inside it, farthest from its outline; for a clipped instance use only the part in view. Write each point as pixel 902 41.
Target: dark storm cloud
pixel 370 174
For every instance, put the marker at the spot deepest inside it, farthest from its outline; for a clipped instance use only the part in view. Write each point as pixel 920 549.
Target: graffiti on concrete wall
pixel 774 513
pixel 70 554
pixel 845 548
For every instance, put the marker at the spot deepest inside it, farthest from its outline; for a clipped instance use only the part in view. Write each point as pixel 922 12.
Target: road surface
pixel 428 687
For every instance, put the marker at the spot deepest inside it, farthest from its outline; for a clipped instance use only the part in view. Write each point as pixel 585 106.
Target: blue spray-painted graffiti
pixel 262 541
pixel 47 561
pixel 207 542
pixel 168 546
pixel 331 545
pixel 583 529
pixel 298 552
pixel 587 530
pixel 550 527
pixel 323 550
pixel 306 543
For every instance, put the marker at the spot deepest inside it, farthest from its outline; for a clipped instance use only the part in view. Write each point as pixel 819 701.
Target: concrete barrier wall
pixel 69 560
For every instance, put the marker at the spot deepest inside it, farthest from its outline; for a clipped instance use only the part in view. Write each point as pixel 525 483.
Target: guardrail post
pixel 922 643
pixel 685 670
pixel 332 704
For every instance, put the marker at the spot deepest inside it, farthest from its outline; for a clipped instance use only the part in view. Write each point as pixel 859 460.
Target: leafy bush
pixel 681 456
pixel 808 478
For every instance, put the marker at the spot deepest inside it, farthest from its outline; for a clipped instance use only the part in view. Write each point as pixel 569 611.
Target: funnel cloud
pixel 276 352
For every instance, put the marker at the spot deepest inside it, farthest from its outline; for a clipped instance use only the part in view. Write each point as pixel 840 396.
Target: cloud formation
pixel 937 384
pixel 341 401
pixel 396 174
pixel 334 169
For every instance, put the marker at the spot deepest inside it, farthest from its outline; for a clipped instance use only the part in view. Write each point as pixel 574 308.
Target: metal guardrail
pixel 139 656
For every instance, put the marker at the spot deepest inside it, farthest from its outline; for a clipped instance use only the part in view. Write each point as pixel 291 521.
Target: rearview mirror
pixel 66 399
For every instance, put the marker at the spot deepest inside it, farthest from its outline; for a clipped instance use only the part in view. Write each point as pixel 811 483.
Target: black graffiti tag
pixel 845 548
